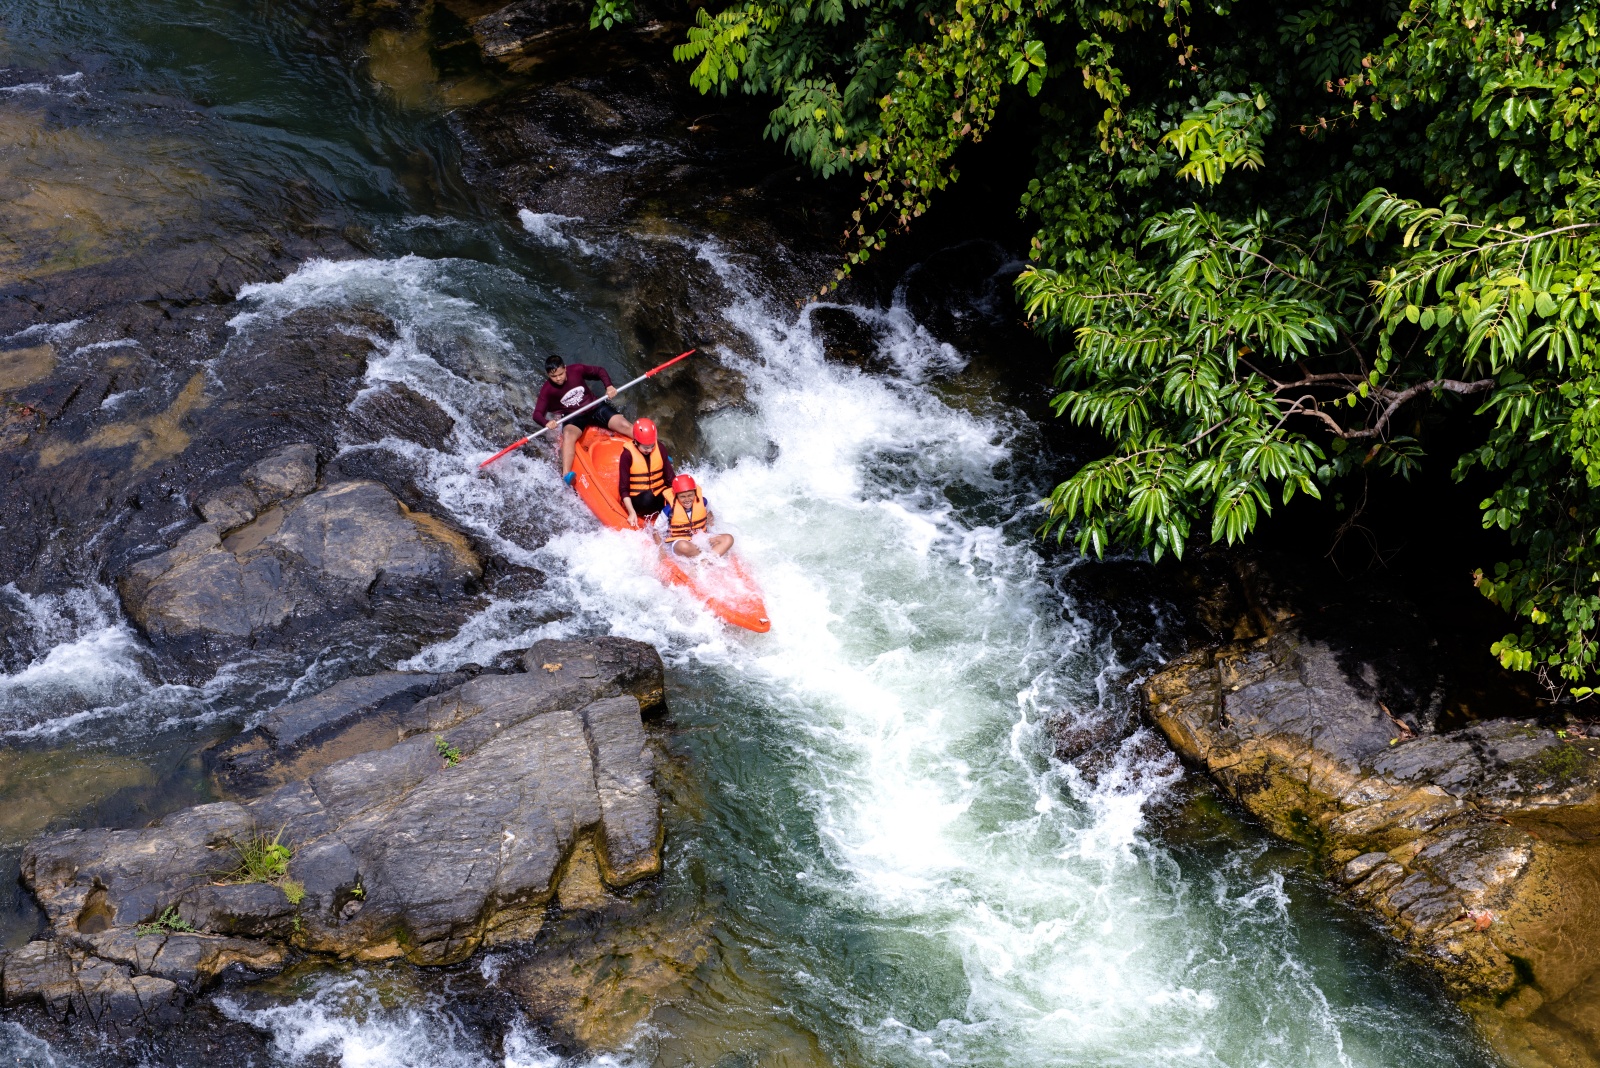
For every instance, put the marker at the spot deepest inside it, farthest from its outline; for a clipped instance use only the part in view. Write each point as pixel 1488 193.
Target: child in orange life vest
pixel 644 473
pixel 689 515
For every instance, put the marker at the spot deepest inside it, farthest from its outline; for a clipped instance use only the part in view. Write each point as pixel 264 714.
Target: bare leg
pixel 569 445
pixel 619 423
pixel 721 543
pixel 686 548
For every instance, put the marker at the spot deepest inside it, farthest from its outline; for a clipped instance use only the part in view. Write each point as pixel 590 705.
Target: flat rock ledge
pixel 1476 848
pixel 466 811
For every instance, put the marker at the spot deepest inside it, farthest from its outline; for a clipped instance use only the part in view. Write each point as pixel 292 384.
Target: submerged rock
pixel 593 980
pixel 455 825
pixel 1474 847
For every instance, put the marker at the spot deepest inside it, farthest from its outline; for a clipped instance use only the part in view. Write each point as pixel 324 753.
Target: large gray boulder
pixel 460 822
pixel 276 548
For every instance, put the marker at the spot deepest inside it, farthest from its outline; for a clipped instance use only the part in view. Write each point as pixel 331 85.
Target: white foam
pixel 48 331
pixel 24 1049
pixel 45 88
pixel 547 229
pixel 86 660
pixel 345 1022
pixel 97 346
pixel 360 1020
pixel 90 670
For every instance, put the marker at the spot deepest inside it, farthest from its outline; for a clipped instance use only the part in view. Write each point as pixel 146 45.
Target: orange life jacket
pixel 685 522
pixel 648 474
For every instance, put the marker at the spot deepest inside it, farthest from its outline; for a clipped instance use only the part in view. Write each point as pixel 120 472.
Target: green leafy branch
pixel 1227 132
pixel 949 88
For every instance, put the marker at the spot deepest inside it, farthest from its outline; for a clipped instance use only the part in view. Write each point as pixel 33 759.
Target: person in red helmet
pixel 688 517
pixel 563 393
pixel 644 474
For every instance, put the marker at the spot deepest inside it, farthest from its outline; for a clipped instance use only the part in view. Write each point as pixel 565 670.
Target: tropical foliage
pixel 1278 246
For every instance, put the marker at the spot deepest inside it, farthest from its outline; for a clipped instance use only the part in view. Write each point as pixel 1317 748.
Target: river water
pixel 867 826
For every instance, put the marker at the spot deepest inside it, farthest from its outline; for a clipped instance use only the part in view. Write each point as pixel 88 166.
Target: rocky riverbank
pixel 1476 848
pixel 419 829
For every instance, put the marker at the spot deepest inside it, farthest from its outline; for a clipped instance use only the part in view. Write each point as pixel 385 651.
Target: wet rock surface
pixel 525 30
pixel 1478 848
pixel 371 712
pixel 460 824
pixel 305 553
pixel 150 419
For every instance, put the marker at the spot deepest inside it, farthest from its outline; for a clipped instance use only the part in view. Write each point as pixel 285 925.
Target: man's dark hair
pixel 552 363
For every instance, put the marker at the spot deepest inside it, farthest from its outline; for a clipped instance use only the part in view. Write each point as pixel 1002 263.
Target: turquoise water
pixel 890 866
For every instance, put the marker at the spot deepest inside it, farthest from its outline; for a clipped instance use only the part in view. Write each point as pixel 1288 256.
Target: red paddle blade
pixel 513 447
pixel 657 370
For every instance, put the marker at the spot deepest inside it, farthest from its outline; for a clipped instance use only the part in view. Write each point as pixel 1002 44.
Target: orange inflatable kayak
pixel 722 586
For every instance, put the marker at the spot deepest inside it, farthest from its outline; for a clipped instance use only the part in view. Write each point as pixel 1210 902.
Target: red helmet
pixel 644 432
pixel 682 484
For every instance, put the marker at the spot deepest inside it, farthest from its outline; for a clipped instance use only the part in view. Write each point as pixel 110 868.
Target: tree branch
pixel 1396 401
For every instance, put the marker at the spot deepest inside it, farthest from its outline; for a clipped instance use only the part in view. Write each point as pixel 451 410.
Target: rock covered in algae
pixel 457 823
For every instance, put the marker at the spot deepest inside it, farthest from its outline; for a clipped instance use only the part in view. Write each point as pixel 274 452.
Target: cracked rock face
pixel 457 823
pixel 1476 848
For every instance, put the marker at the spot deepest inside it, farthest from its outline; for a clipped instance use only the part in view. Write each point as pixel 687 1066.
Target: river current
pixel 866 817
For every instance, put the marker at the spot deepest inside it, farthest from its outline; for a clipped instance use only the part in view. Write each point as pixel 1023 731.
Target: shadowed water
pixel 864 808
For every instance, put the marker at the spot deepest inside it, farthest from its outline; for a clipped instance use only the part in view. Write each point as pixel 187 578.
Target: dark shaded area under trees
pixel 1327 253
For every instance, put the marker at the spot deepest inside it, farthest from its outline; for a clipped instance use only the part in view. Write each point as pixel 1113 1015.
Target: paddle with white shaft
pixel 515 445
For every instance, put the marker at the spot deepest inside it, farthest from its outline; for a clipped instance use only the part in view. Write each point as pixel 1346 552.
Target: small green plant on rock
pixel 452 755
pixel 165 923
pixel 264 860
pixel 261 859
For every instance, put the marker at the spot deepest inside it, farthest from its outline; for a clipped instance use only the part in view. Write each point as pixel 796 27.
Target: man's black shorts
pixel 598 416
pixel 647 505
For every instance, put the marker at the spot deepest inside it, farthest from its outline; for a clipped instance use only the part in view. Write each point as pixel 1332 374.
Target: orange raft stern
pixel 726 588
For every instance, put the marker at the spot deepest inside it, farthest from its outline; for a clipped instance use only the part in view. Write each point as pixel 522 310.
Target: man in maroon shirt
pixel 564 392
